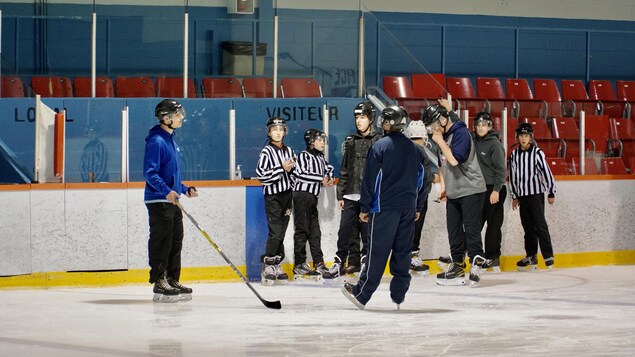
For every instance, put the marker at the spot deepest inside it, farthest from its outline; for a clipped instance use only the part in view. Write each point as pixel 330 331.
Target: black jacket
pixel 354 152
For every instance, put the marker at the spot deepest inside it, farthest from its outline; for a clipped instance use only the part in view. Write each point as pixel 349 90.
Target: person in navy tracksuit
pixel 392 195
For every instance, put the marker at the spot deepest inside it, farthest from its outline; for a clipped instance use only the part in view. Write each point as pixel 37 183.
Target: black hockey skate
pixel 528 263
pixel 454 275
pixel 444 261
pixel 549 263
pixel 304 272
pixel 186 293
pixel 493 265
pixel 268 274
pixel 281 277
pixel 416 265
pixel 163 292
pixel 347 290
pixel 476 269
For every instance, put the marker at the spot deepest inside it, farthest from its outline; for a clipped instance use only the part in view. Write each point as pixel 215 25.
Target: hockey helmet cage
pixel 395 116
pixel 483 117
pixel 313 134
pixel 365 108
pixel 167 107
pixel 524 128
pixel 417 130
pixel 433 113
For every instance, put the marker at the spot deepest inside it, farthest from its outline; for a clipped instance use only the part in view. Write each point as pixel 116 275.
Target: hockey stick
pixel 269 304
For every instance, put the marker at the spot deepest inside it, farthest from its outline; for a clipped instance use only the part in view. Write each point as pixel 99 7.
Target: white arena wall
pixel 51 229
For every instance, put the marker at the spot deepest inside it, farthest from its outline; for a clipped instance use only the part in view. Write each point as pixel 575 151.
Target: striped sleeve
pixel 548 181
pixel 269 168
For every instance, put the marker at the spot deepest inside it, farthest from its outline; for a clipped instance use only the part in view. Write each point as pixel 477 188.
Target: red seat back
pixel 52 86
pixel 300 88
pixel 547 90
pixel 461 88
pixel 11 87
pixel 397 87
pixel 541 129
pixel 258 87
pixel 558 166
pixel 222 88
pixel 429 85
pixel 613 166
pixel 590 166
pixel 103 87
pixel 489 88
pixel 573 90
pixel 601 90
pixel 624 128
pixel 625 91
pixel 172 87
pixel 135 87
pixel 518 88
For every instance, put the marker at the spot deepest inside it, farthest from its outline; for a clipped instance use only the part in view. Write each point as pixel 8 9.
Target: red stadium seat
pixel 172 87
pixel 135 87
pixel 52 86
pixel 598 129
pixel 543 138
pixel 624 131
pixel 492 90
pixel 558 166
pixel 613 166
pixel 547 90
pixel 590 166
pixel 576 98
pixel 430 85
pixel 625 91
pixel 300 88
pixel 103 87
pixel 12 87
pixel 463 93
pixel 565 128
pixel 222 88
pixel 525 105
pixel 602 90
pixel 258 87
pixel 398 87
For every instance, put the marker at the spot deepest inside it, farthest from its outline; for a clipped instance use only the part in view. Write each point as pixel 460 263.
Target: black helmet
pixel 166 107
pixel 312 134
pixel 365 108
pixel 483 117
pixel 524 128
pixel 433 113
pixel 395 116
pixel 273 121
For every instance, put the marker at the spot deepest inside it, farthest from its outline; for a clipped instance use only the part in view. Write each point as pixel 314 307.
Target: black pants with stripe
pixel 166 240
pixel 532 217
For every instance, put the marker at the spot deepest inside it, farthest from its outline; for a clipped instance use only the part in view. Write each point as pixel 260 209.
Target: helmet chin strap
pixel 171 122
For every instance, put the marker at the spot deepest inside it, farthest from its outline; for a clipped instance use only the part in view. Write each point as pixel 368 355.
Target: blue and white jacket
pixel 394 176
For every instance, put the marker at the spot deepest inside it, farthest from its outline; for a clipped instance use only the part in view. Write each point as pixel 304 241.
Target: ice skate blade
pixel 281 281
pixel 186 296
pixel 267 282
pixel 158 297
pixel 451 282
pixel 528 268
pixel 421 273
pixel 352 299
pixel 307 277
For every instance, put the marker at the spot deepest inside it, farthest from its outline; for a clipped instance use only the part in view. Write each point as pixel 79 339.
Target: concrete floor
pixel 566 312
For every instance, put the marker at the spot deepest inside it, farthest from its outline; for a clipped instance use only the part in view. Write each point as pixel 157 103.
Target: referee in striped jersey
pixel 275 172
pixel 530 177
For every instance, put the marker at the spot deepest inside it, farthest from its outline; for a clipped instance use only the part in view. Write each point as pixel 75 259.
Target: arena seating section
pixel 552 108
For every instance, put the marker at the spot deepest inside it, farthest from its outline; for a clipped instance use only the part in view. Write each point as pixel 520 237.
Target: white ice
pixel 566 312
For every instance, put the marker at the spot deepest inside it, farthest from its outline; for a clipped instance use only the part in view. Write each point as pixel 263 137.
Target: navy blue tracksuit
pixel 392 191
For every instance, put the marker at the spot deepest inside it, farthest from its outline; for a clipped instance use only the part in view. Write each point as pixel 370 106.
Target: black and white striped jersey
pixel 310 169
pixel 270 172
pixel 529 173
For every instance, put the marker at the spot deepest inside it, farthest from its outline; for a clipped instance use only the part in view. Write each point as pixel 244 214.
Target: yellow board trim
pixel 225 273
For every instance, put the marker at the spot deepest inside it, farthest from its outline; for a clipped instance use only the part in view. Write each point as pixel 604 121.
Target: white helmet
pixel 417 130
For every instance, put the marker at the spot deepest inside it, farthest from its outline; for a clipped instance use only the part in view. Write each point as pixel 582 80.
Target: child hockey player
pixel 491 158
pixel 354 151
pixel 392 196
pixel 312 172
pixel 275 168
pixel 465 191
pixel 162 190
pixel 530 177
pixel 418 133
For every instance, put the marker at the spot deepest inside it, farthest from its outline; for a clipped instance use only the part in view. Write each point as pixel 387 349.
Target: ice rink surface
pixel 566 312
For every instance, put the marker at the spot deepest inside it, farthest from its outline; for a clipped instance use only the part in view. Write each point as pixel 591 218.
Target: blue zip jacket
pixel 161 166
pixel 394 176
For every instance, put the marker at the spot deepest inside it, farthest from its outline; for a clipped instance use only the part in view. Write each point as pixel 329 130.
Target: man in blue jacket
pixel 163 189
pixel 392 195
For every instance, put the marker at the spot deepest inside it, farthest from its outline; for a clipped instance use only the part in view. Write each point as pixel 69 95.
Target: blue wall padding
pixel 255 231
